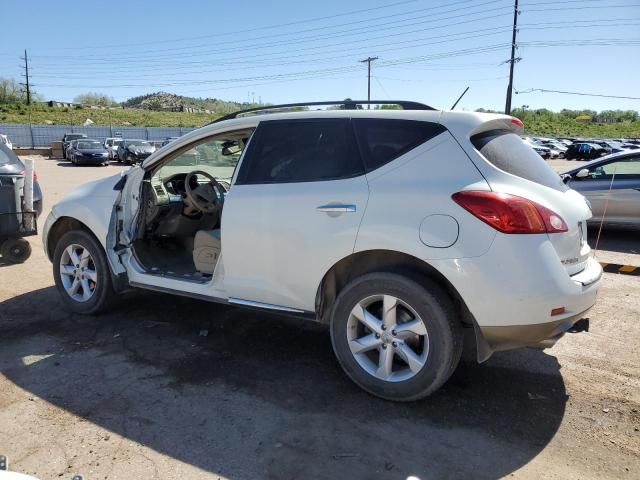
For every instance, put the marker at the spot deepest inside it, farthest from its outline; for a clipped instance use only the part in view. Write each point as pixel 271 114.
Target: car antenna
pixel 459 98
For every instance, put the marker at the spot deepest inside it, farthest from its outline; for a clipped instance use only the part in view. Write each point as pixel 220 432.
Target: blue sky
pixel 285 51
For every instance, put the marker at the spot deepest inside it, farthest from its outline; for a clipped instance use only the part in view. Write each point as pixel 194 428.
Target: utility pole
pixel 368 61
pixel 512 62
pixel 26 75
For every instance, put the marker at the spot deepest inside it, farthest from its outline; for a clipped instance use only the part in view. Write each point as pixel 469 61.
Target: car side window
pixel 628 168
pixel 288 151
pixel 384 140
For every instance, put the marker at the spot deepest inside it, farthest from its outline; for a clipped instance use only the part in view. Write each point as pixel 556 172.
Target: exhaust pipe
pixel 581 325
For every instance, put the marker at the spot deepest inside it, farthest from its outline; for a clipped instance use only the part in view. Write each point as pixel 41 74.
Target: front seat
pixel 206 250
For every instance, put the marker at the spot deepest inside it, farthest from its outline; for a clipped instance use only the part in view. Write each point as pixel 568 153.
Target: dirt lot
pixel 140 394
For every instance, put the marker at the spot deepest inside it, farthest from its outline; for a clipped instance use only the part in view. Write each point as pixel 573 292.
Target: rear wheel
pixel 396 338
pixel 15 250
pixel 82 274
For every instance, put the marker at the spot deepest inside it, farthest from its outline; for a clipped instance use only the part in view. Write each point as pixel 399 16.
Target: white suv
pixel 403 230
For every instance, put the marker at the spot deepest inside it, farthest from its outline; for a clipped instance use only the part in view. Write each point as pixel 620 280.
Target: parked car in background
pixel 134 151
pixel 393 227
pixel 168 140
pixel 11 166
pixel 87 152
pixel 584 151
pixel 4 140
pixel 558 149
pixel 111 144
pixel 67 139
pixel 544 152
pixel 612 186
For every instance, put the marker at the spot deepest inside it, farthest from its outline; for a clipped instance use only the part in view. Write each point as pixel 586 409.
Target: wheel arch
pixel 61 226
pixel 67 224
pixel 368 261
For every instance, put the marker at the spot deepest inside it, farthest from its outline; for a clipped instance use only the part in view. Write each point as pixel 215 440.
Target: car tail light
pixel 35 175
pixel 509 213
pixel 517 122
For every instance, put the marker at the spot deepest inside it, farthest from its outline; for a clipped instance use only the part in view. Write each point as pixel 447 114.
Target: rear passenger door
pixel 293 211
pixel 613 188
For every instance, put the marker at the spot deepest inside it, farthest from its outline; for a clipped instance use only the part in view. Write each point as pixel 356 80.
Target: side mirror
pixel 584 173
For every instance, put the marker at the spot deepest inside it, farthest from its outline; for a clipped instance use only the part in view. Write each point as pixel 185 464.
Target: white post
pixel 28 194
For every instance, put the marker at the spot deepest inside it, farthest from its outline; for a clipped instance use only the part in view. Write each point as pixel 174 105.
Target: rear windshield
pixel 90 145
pixel 7 157
pixel 509 153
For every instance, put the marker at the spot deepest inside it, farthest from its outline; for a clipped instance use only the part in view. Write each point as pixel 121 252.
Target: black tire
pixel 15 250
pixel 130 159
pixel 432 304
pixel 103 295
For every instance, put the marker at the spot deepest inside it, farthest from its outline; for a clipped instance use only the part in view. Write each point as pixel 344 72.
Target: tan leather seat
pixel 206 250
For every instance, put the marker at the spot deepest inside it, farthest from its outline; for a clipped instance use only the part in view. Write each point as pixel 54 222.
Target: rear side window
pixel 384 140
pixel 509 153
pixel 300 151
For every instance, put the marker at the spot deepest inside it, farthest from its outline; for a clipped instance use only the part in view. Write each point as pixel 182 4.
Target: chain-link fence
pixel 42 135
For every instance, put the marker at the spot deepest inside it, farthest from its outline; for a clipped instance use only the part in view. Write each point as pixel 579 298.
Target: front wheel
pixel 81 273
pixel 396 338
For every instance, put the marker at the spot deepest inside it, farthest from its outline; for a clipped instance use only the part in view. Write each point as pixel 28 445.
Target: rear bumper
pixel 539 335
pixel 91 160
pixel 512 290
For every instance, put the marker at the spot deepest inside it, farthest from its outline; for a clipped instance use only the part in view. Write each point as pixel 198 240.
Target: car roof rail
pixel 346 104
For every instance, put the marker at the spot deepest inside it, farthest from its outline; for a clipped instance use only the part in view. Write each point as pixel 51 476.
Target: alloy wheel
pixel 78 273
pixel 387 338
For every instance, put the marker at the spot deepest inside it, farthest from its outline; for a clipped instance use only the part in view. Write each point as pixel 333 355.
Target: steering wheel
pixel 207 197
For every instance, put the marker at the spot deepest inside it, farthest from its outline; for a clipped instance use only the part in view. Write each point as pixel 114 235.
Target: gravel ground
pixel 139 393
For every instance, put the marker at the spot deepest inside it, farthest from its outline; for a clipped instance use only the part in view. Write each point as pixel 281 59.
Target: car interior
pixel 178 224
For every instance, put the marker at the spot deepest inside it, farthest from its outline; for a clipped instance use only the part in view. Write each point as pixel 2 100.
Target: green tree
pixel 95 99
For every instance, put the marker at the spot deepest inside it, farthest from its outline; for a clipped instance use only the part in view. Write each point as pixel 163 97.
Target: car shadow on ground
pixel 615 240
pixel 67 163
pixel 247 394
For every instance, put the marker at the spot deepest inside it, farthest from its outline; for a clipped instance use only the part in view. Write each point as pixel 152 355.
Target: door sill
pixel 180 293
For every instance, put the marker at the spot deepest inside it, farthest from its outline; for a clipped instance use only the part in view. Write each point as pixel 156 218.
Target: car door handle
pixel 335 208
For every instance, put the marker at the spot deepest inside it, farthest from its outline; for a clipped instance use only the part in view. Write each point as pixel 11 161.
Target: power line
pixel 411 43
pixel 107 60
pixel 236 32
pixel 308 58
pixel 543 90
pixel 402 61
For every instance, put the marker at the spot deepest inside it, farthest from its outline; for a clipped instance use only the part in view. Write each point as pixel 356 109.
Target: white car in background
pixel 5 141
pixel 111 144
pixel 403 230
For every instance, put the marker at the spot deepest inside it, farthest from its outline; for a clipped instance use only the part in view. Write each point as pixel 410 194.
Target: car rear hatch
pixel 520 171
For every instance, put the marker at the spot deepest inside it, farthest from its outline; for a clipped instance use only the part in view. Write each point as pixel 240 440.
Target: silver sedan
pixel 612 185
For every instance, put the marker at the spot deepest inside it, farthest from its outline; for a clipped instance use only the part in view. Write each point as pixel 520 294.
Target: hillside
pixel 537 122
pixel 163 101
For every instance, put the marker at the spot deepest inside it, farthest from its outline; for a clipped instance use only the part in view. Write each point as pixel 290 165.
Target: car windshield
pixel 93 144
pixel 138 143
pixel 74 136
pixel 117 143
